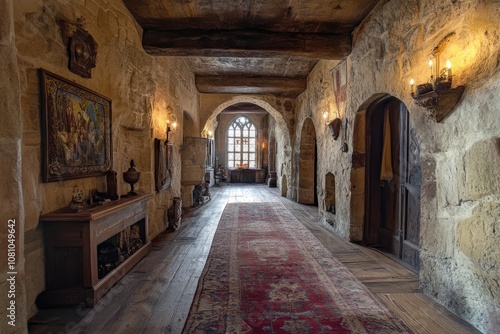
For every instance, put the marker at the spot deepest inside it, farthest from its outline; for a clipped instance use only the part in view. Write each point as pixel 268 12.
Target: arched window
pixel 241 143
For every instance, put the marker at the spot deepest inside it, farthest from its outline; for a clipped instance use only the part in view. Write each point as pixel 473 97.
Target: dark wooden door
pixel 410 193
pixel 393 206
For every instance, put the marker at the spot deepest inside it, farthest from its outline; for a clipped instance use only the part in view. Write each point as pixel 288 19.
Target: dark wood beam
pixel 286 87
pixel 246 43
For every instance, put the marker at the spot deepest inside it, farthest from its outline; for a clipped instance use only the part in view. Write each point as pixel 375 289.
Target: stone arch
pixel 281 125
pixel 307 179
pixel 377 212
pixel 211 122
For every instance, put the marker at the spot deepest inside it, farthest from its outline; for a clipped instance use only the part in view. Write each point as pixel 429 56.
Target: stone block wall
pixel 12 289
pixel 144 91
pixel 459 156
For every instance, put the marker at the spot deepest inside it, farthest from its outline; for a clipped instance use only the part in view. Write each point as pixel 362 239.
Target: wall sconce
pixel 437 96
pixel 169 129
pixel 326 115
pixel 334 127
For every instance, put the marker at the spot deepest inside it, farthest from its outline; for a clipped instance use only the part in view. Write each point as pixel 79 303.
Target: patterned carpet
pixel 266 273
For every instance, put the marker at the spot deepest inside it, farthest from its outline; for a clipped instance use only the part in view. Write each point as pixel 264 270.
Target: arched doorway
pixel 393 181
pixel 280 131
pixel 307 165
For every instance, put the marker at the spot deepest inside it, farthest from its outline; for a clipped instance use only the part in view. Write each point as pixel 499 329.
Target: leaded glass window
pixel 241 143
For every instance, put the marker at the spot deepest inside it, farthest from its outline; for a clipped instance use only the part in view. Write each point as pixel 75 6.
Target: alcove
pixel 329 200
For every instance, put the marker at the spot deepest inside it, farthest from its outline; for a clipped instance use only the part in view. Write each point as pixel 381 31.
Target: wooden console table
pixel 72 240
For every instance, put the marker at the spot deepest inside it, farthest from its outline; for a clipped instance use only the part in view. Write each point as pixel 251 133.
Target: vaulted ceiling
pixel 250 46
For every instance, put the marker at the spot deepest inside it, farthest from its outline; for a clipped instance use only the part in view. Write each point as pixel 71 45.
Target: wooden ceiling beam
pixel 246 43
pixel 285 87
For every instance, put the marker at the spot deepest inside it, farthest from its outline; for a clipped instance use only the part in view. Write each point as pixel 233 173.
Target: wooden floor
pixel 156 295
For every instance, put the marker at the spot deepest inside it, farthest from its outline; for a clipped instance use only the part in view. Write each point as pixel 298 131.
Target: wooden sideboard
pixel 246 175
pixel 77 243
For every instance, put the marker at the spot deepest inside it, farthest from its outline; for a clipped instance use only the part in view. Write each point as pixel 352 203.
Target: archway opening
pixel 307 193
pixel 392 181
pixel 329 201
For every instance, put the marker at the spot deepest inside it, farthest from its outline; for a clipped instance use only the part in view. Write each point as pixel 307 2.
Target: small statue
pixel 77 200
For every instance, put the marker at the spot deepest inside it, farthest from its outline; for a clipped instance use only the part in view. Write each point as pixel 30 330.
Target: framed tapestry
pixel 163 165
pixel 76 130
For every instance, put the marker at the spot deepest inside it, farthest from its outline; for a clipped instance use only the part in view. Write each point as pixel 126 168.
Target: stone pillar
pixel 12 277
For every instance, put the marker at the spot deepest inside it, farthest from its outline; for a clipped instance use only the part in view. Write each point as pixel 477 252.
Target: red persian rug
pixel 266 273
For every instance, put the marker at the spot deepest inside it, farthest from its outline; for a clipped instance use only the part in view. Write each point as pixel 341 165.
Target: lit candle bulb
pixel 448 66
pixel 430 65
pixel 325 115
pixel 412 82
pixel 174 125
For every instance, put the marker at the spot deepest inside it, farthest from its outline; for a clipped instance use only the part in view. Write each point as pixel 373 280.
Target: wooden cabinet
pixel 246 175
pixel 78 244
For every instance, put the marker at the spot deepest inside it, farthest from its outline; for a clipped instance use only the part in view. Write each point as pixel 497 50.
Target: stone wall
pixel 144 91
pixel 311 104
pixel 12 286
pixel 459 156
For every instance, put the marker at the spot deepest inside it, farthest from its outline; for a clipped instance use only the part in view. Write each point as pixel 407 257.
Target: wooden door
pixel 392 220
pixel 410 193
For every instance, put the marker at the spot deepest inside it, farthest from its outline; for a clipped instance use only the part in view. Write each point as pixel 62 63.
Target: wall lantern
pixel 437 95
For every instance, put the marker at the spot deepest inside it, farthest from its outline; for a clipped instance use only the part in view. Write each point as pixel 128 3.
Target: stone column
pixel 12 276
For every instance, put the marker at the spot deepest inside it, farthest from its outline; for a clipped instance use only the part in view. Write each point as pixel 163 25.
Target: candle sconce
pixel 170 129
pixel 437 96
pixel 334 127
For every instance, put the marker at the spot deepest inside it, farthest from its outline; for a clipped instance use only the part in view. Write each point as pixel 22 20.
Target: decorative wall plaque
pixel 82 48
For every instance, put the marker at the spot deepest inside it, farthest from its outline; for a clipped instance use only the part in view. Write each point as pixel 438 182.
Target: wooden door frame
pixel 375 105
